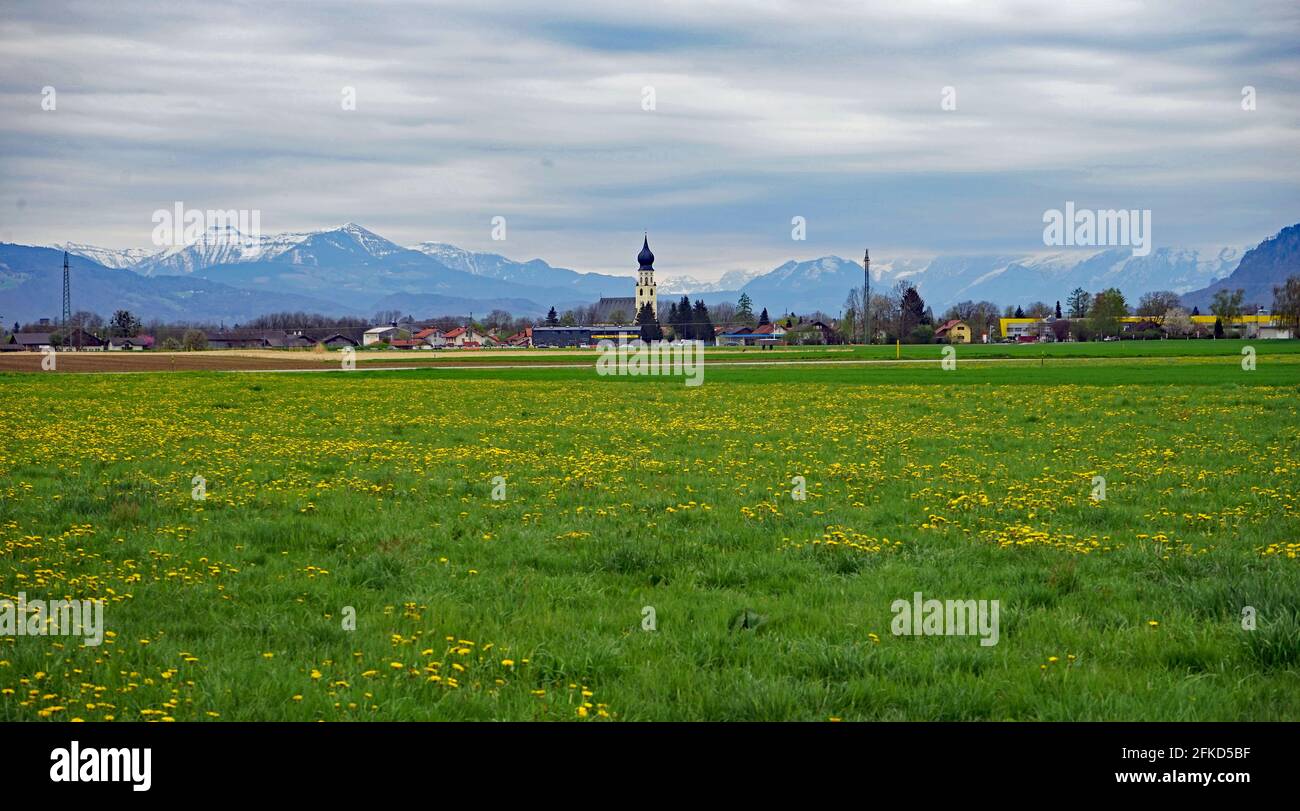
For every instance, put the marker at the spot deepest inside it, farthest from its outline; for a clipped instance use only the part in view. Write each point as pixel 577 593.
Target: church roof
pixel 646 257
pixel 608 305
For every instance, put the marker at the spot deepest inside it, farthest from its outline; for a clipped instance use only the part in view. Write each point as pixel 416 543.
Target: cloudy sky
pixel 762 111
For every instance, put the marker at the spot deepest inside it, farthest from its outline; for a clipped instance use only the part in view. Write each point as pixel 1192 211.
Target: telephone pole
pixel 866 296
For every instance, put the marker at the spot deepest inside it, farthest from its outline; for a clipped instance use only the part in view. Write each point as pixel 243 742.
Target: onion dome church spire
pixel 645 279
pixel 646 257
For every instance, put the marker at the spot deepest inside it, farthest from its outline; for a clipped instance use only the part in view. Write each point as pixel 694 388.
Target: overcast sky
pixel 763 111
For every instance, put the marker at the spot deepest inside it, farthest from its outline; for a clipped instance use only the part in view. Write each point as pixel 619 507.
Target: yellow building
pixel 954 332
pixel 1263 325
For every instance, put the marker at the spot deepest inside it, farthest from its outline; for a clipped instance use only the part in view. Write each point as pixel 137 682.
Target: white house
pixel 375 335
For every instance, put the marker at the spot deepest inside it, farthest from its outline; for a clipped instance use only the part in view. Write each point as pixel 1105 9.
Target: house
pixel 431 336
pixel 762 335
pixel 79 339
pixel 139 342
pixel 338 340
pixel 737 336
pixel 256 339
pixel 522 338
pixel 32 341
pixel 376 335
pixel 409 343
pixel 955 331
pixel 768 334
pixel 465 337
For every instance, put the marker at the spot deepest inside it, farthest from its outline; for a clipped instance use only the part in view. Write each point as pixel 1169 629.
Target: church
pixel 629 306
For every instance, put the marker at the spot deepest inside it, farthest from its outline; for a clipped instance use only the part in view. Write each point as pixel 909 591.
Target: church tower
pixel 645 280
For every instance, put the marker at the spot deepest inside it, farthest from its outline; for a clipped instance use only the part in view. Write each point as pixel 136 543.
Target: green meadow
pixel 549 544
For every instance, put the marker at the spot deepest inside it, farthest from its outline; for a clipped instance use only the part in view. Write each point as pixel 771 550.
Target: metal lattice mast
pixel 68 298
pixel 866 296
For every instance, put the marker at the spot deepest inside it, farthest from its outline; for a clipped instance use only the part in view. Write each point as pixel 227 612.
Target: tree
pixel 124 324
pixel 552 320
pixel 851 318
pixel 745 310
pixel 762 318
pixel 618 317
pixel 1019 313
pixel 1286 304
pixel 86 320
pixel 649 324
pixel 1058 309
pixel 1177 322
pixel 701 326
pixel 1078 302
pixel 1108 307
pixel 724 312
pixel 911 311
pixel 882 315
pixel 682 324
pixel 1039 309
pixel 194 340
pixel 1226 306
pixel 1157 302
pixel 568 319
pixel 1218 327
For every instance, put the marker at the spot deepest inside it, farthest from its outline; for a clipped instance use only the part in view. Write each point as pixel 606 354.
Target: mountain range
pixel 350 270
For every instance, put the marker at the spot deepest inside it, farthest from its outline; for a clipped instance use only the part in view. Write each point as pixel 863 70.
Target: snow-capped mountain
pixel 731 280
pixel 824 283
pixel 118 258
pixel 534 272
pixel 353 267
pixel 225 245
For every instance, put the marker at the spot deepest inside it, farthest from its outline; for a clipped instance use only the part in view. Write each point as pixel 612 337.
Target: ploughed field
pixel 495 544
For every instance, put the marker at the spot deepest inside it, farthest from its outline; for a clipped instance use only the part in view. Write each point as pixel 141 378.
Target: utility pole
pixel 866 296
pixel 67 301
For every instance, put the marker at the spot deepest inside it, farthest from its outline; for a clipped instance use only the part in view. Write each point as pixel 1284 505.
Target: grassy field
pixel 374 491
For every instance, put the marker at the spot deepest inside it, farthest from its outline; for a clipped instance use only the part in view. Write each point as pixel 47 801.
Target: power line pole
pixel 67 300
pixel 866 296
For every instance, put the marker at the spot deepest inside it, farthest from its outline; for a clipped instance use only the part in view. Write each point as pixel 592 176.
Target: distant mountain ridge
pixel 352 270
pixel 1263 267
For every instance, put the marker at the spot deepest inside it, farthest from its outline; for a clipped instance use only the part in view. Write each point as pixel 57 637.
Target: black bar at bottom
pixel 392 761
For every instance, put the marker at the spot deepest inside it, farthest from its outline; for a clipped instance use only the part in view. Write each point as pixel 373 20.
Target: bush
pixel 923 334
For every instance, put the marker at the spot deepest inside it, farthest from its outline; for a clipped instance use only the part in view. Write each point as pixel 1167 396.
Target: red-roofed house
pixel 955 331
pixel 464 337
pixel 431 336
